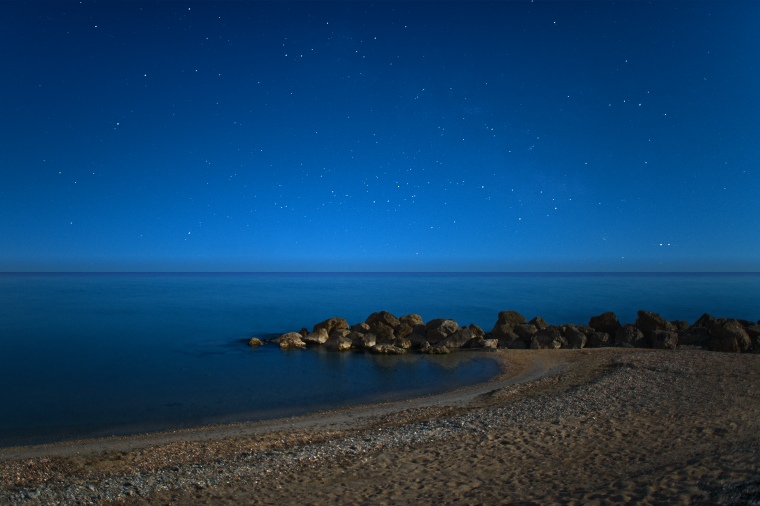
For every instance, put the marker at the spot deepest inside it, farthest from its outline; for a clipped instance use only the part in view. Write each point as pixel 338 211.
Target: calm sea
pixel 86 355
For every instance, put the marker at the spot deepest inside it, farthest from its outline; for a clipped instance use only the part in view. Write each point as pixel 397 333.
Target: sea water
pixel 85 355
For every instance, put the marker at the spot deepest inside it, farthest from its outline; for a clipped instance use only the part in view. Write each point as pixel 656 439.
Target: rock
pixel 506 339
pixel 525 331
pixel 417 339
pixel 648 322
pixel 707 321
pixel 503 332
pixel 587 331
pixel 664 340
pixel 549 338
pixel 628 335
pixel 364 341
pixel 412 320
pixel 575 338
pixel 694 336
pixel 510 318
pixel 477 332
pixel 339 342
pixel 384 333
pixel 439 329
pixel 255 341
pixel 403 330
pixel 458 339
pixel 290 340
pixel 730 336
pixel 605 322
pixel 753 331
pixel 539 323
pixel 598 340
pixel 402 342
pixel 517 344
pixel 489 344
pixel 331 324
pixel 362 328
pixel 434 350
pixel 680 325
pixel 387 349
pixel 383 317
pixel 319 336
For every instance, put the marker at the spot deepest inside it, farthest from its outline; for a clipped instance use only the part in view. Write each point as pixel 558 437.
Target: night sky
pixel 380 136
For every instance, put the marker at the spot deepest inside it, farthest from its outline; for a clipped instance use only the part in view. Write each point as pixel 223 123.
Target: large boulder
pixel 487 344
pixel 403 330
pixel 402 342
pixel 664 340
pixel 629 336
pixel 384 333
pixel 477 332
pixel 319 336
pixel 549 338
pixel 434 350
pixel 575 338
pixel 290 340
pixel 648 322
pixel 339 342
pixel 730 336
pixel 694 336
pixel 383 317
pixel 363 341
pixel 458 339
pixel 362 328
pixel 539 323
pixel 598 340
pixel 255 341
pixel 330 324
pixel 439 329
pixel 606 322
pixel 412 320
pixel 510 318
pixel 525 331
pixel 706 320
pixel 387 349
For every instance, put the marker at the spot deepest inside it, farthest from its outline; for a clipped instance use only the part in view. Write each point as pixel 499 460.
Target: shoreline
pixel 595 426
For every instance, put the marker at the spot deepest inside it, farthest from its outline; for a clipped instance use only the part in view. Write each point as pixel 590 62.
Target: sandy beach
pixel 601 426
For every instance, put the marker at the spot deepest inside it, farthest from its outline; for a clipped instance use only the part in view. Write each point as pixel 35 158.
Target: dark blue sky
pixel 503 136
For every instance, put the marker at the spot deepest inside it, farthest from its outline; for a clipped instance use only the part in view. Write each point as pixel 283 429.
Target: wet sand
pixel 595 426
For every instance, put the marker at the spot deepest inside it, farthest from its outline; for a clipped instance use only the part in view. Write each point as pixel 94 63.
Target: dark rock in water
pixel 412 320
pixel 290 340
pixel 458 339
pixel 439 329
pixel 362 328
pixel 331 324
pixel 510 318
pixel 403 330
pixel 549 338
pixel 525 331
pixel 606 322
pixel 694 336
pixel 417 338
pixel 384 333
pixel 387 349
pixel 382 317
pixel 664 340
pixel 339 342
pixel 730 336
pixel 319 336
pixel 628 335
pixel 402 342
pixel 255 341
pixel 539 323
pixel 575 338
pixel 434 350
pixel 598 340
pixel 648 322
pixel 363 341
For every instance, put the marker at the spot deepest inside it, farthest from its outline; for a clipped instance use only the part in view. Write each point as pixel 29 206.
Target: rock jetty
pixel 384 333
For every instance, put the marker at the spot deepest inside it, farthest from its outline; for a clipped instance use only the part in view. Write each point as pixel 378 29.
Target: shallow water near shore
pixel 85 355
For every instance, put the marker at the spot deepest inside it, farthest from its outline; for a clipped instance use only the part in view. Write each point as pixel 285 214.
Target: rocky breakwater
pixel 384 333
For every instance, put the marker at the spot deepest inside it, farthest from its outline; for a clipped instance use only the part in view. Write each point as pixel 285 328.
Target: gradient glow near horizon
pixel 476 136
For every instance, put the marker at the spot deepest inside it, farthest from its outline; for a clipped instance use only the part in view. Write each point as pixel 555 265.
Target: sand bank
pixel 566 426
